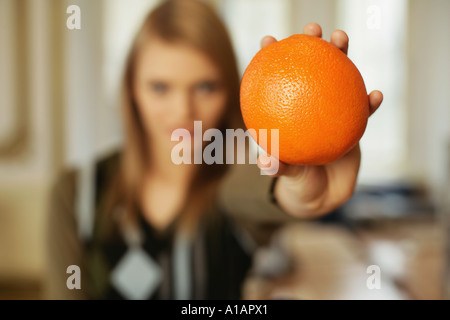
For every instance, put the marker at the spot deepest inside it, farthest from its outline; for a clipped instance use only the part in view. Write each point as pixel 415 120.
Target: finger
pixel 375 100
pixel 313 29
pixel 265 163
pixel 267 40
pixel 340 39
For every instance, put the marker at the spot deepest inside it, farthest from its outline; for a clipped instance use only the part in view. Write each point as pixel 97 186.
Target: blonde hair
pixel 196 24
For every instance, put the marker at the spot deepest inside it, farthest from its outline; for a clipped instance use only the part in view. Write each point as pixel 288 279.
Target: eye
pixel 207 86
pixel 158 87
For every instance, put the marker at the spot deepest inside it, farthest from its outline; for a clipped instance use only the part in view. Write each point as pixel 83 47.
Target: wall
pixel 31 137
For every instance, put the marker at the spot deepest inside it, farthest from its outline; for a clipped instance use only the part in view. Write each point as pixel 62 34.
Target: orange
pixel 309 90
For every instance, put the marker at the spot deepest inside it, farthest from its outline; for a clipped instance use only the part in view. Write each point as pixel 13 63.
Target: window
pixel 121 21
pixel 377 32
pixel 248 22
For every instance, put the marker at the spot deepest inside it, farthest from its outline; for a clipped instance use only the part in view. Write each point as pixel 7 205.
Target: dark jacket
pixel 244 210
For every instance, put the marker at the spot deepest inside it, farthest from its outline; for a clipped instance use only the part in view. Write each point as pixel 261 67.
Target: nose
pixel 183 106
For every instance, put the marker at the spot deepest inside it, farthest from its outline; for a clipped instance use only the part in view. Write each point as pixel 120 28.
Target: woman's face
pixel 174 85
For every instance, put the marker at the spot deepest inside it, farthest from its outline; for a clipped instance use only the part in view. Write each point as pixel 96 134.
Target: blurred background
pixel 58 107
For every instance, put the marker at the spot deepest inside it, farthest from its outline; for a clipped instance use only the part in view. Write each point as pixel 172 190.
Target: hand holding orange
pixel 311 190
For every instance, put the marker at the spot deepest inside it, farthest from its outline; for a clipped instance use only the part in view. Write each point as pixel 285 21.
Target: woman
pixel 166 231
